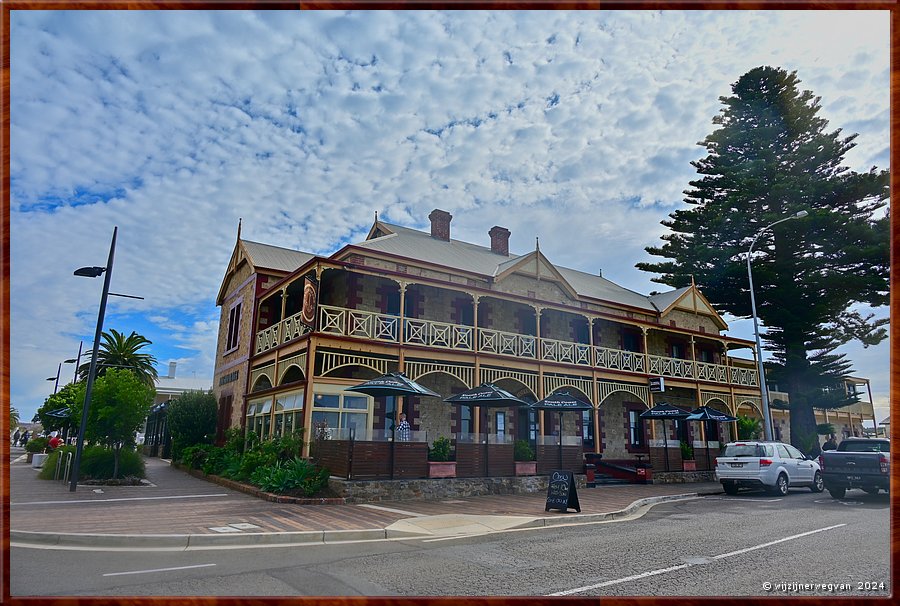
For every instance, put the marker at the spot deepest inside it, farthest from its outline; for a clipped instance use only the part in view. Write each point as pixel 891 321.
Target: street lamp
pixel 92 272
pixel 764 389
pixel 56 378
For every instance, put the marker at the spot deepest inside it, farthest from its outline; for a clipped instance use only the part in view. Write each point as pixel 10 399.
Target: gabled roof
pixel 463 256
pixel 534 264
pixel 689 299
pixel 277 260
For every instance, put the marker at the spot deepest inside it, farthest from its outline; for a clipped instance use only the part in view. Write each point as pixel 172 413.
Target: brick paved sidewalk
pixel 178 504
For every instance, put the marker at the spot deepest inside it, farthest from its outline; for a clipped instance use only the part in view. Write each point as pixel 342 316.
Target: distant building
pixel 155 437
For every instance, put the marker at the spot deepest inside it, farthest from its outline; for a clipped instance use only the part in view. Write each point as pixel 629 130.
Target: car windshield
pixel 745 450
pixel 860 446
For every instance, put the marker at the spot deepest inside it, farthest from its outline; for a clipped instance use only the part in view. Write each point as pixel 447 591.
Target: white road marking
pixel 400 511
pixel 683 566
pixel 740 499
pixel 245 526
pixel 115 574
pixel 186 496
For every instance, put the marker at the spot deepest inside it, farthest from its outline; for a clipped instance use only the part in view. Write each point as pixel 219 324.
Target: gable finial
pixel 376 216
pixel 692 282
pixel 537 244
pixel 239 228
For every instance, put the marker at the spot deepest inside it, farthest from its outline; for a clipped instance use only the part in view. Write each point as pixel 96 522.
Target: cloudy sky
pixel 577 127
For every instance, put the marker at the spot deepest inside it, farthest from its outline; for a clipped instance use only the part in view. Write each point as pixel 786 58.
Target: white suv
pixel 770 465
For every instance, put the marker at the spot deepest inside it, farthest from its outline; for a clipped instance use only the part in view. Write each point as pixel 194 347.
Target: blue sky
pixel 172 125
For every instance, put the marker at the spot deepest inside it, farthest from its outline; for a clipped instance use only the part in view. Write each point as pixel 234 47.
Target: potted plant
pixel 35 446
pixel 687 457
pixel 524 456
pixel 440 464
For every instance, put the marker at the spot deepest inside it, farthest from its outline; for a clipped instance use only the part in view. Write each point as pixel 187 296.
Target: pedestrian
pixel 830 444
pixel 25 437
pixel 16 436
pixel 403 428
pixel 55 440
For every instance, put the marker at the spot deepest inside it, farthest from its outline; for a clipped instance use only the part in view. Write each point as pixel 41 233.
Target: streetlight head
pixel 51 378
pixel 800 214
pixel 89 272
pixel 70 361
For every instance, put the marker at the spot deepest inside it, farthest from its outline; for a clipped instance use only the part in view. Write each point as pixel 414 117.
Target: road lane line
pixel 185 496
pixel 400 511
pixel 683 566
pixel 770 543
pixel 115 574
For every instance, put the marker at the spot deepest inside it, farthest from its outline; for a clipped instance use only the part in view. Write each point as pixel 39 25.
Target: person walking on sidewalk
pixel 15 437
pixel 25 437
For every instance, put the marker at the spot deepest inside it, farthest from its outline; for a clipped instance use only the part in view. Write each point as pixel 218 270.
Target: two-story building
pixel 298 329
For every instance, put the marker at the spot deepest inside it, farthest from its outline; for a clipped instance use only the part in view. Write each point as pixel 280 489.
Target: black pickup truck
pixel 857 463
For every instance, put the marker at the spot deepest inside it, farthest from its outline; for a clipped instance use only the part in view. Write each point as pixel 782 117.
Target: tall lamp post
pixel 92 272
pixel 764 389
pixel 56 378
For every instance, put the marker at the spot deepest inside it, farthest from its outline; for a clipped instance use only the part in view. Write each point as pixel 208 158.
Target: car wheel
pixel 871 490
pixel 781 486
pixel 837 493
pixel 730 488
pixel 818 483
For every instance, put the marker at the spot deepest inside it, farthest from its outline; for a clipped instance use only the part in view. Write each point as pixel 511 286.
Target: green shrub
pixel 97 463
pixel 195 456
pixel 36 445
pixel 687 453
pixel 296 474
pixel 440 450
pixel 191 420
pixel 825 429
pixel 523 451
pixel 748 428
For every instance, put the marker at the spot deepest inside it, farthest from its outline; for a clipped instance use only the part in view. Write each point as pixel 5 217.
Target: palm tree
pixel 13 417
pixel 119 351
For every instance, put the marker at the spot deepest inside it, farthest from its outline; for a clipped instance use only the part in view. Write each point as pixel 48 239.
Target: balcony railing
pixel 565 352
pixel 507 343
pixel 430 333
pixel 438 334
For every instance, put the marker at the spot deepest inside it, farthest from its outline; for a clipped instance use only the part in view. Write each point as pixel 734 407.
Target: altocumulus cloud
pixel 578 127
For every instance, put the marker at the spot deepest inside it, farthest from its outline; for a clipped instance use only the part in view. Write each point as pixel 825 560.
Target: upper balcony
pixel 388 328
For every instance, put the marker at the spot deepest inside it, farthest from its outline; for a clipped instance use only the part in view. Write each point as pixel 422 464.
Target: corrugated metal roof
pixel 275 257
pixel 664 299
pixel 455 254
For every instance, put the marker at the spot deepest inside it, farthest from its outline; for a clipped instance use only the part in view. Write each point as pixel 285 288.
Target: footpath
pixel 178 511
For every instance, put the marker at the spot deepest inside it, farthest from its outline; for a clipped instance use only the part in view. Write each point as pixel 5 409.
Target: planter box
pixel 38 459
pixel 526 468
pixel 441 469
pixel 689 465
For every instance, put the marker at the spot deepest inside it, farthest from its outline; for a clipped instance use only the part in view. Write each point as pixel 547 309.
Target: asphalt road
pixel 711 546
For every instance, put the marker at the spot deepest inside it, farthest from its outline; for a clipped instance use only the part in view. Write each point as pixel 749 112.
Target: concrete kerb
pixel 214 541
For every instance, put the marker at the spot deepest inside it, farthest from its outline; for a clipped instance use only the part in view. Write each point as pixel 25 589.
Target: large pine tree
pixel 770 158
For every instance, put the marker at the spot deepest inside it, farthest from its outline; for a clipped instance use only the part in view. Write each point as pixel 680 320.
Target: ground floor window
pixel 587 428
pixel 501 423
pixel 636 437
pixel 259 413
pixel 288 412
pixel 336 415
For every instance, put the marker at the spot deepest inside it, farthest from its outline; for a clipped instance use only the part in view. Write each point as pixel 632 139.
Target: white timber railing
pixel 438 334
pixel 566 352
pixel 507 343
pixel 357 323
pixel 617 359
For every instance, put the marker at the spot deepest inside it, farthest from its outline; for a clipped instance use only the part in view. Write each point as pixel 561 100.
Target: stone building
pixel 297 329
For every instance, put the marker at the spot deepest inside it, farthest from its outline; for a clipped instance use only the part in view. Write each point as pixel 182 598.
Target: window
pixel 258 417
pixel 631 341
pixel 342 414
pixel 677 350
pixel 706 355
pixel 783 452
pixel 587 428
pixel 501 423
pixel 234 323
pixel 288 412
pixel 635 429
pixel 795 454
pixel 464 414
pixel 527 425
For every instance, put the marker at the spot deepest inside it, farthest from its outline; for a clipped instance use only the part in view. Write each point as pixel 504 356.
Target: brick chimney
pixel 440 224
pixel 499 240
pixel 172 366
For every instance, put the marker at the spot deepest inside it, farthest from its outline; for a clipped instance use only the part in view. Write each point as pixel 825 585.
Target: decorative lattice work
pixel 529 379
pixel 608 388
pixel 552 383
pixel 711 396
pixel 298 360
pixel 268 371
pixel 332 361
pixel 415 370
pixel 753 401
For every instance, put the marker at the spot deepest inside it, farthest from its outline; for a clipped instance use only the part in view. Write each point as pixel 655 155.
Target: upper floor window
pixel 678 350
pixel 631 341
pixel 234 324
pixel 705 355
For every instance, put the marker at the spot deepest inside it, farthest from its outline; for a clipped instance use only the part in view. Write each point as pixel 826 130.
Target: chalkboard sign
pixel 561 493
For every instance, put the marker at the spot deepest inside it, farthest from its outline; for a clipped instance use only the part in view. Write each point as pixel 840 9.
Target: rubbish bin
pixel 644 473
pixel 589 472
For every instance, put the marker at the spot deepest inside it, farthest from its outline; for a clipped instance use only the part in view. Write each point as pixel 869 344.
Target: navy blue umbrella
pixel 486 395
pixel 561 401
pixel 665 411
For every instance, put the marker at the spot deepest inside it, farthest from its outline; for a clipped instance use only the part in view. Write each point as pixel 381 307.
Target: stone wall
pixel 444 488
pixel 682 477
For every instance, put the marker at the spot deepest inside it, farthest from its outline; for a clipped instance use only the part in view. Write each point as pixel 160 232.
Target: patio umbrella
pixel 486 395
pixel 394 384
pixel 705 413
pixel 665 411
pixel 561 402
